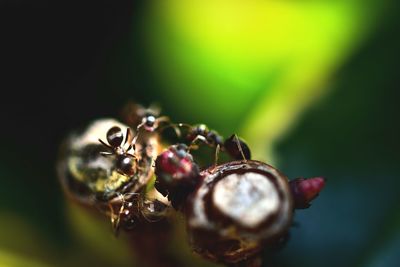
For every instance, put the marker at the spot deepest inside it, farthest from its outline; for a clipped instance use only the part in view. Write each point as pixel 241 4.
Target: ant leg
pixel 217 150
pixel 106 153
pixel 115 218
pixel 128 137
pixel 132 141
pixel 129 195
pixel 193 143
pixel 122 173
pixel 104 144
pixel 140 125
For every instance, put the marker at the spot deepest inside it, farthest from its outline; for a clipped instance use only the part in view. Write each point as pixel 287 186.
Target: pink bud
pixel 305 190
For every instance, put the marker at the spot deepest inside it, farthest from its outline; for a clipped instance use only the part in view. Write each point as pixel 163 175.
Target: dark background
pixel 56 60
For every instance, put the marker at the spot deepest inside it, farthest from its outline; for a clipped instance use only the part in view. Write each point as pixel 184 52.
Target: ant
pixel 126 163
pixel 132 208
pixel 149 124
pixel 234 146
pixel 151 119
pixel 147 118
pixel 177 173
pixel 202 133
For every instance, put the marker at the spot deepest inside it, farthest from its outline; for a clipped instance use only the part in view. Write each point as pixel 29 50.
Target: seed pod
pixel 239 207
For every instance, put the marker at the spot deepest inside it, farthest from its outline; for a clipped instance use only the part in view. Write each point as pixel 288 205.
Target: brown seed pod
pixel 239 208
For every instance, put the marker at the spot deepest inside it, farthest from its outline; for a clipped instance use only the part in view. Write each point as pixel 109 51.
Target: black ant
pixel 149 124
pixel 132 208
pixel 151 119
pixel 176 170
pixel 140 117
pixel 202 133
pixel 234 146
pixel 126 163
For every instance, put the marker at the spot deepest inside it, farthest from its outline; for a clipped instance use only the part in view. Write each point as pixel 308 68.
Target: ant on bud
pixel 133 207
pixel 202 133
pixel 140 117
pixel 151 119
pixel 126 163
pixel 233 209
pixel 176 171
pixel 234 146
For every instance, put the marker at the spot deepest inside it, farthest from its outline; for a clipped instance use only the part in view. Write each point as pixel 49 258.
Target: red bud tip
pixel 169 163
pixel 305 190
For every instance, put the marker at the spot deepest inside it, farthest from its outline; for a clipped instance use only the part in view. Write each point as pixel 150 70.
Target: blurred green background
pixel 311 85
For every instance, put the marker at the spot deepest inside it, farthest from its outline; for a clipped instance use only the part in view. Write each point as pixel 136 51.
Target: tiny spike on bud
pixel 305 190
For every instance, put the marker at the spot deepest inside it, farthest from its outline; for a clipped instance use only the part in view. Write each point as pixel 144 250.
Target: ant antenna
pixel 237 148
pixel 240 147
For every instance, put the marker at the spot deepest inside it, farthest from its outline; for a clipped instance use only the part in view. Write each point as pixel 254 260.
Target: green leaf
pixel 251 67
